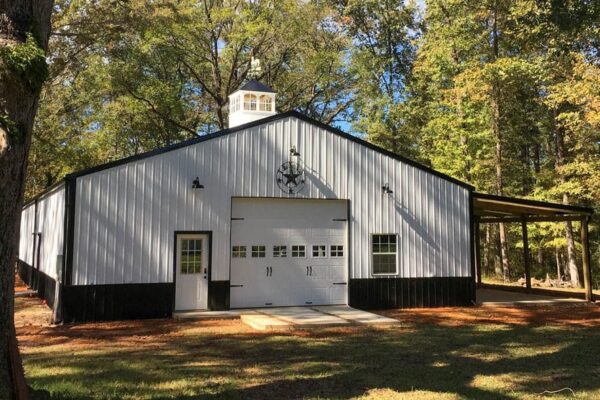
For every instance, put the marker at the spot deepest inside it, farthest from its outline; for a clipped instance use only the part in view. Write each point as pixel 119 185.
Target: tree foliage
pixel 504 95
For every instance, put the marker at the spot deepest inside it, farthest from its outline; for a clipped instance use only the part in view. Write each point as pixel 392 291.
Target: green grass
pixel 224 360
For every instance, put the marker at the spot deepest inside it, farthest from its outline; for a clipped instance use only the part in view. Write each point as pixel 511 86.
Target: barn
pixel 276 210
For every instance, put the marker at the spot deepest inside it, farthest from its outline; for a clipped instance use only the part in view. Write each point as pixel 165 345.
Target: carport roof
pixel 493 208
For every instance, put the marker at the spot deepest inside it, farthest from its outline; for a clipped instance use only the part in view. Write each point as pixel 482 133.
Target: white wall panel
pixel 125 216
pixel 51 212
pixel 26 234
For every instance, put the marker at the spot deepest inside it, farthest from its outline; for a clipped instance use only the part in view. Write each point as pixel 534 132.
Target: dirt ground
pixel 20 285
pixel 441 353
pixel 32 319
pixel 584 315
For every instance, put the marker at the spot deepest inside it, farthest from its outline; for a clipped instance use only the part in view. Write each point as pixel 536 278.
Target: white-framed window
pixel 250 102
pixel 259 251
pixel 264 103
pixel 280 251
pixel 238 251
pixel 336 250
pixel 319 251
pixel 298 250
pixel 191 256
pixel 384 250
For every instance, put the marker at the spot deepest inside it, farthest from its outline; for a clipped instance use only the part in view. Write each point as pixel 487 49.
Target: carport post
pixel 478 250
pixel 587 272
pixel 526 254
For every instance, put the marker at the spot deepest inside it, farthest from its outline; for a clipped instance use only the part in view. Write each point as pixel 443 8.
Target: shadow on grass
pixel 474 361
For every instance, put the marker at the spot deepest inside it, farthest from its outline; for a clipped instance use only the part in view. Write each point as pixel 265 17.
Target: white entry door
pixel 191 272
pixel 288 252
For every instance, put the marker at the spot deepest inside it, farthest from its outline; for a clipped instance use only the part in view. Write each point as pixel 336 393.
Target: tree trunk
pixel 497 255
pixel 495 105
pixel 572 260
pixel 560 162
pixel 24 31
pixel 558 266
pixel 486 250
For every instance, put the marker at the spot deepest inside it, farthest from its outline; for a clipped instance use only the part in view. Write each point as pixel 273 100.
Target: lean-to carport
pixel 500 209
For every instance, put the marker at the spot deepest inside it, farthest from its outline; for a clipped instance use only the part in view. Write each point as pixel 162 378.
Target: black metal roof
pixel 256 86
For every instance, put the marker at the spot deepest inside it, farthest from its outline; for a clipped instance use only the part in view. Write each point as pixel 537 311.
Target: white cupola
pixel 253 100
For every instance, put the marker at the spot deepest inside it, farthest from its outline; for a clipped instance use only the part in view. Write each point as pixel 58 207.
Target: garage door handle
pixel 269 271
pixel 307 270
pixel 311 270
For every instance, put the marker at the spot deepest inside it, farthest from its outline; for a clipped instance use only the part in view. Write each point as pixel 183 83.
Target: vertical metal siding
pixel 26 234
pixel 51 213
pixel 125 216
pixel 50 223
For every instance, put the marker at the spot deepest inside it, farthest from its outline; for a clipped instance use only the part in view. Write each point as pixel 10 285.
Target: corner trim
pixel 69 231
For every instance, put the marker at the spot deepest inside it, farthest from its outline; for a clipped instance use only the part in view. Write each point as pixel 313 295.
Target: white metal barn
pixel 277 210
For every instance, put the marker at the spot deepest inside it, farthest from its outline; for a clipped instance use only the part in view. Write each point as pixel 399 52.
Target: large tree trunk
pixel 495 105
pixel 24 31
pixel 560 162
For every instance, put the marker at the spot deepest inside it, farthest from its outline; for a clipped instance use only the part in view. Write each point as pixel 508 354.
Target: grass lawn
pixel 453 353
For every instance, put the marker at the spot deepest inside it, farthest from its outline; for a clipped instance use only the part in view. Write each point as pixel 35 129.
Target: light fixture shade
pixel 196 184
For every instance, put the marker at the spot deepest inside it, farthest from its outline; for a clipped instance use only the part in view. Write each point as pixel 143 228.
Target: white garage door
pixel 288 252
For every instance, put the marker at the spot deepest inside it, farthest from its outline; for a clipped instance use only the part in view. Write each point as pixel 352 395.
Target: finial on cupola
pixel 253 100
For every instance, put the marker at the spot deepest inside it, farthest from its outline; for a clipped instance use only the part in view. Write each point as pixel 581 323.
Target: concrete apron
pixel 291 318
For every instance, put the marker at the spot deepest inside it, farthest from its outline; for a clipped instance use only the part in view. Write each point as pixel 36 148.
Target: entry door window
pixel 191 256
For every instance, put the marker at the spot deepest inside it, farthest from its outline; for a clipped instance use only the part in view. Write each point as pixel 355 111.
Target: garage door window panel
pixel 319 251
pixel 384 254
pixel 259 251
pixel 336 251
pixel 238 251
pixel 299 251
pixel 279 251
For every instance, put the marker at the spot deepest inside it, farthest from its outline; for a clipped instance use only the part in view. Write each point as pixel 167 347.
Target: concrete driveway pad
pixel 310 317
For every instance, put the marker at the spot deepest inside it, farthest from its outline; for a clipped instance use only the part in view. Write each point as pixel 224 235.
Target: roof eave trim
pixel 535 203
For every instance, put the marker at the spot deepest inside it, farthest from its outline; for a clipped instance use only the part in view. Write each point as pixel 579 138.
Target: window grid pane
pixel 280 251
pixel 298 251
pixel 319 250
pixel 238 251
pixel 336 250
pixel 384 251
pixel 258 251
pixel 191 256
